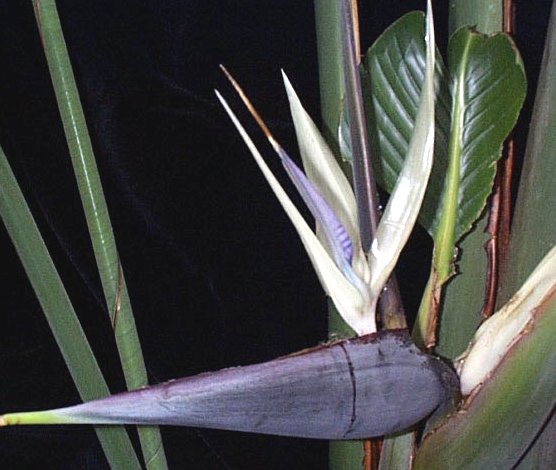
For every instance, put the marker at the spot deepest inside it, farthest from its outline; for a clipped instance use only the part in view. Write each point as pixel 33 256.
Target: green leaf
pixel 461 314
pixel 96 213
pixel 486 76
pixel 392 78
pixel 487 88
pixel 488 91
pixel 59 312
pixel 534 225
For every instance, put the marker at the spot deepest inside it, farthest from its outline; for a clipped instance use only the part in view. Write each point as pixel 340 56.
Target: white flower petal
pixel 325 173
pixel 352 304
pixel 405 201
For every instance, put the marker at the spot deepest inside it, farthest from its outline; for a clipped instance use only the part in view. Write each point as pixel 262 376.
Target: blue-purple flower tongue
pixel 335 234
pixel 335 256
pixel 337 238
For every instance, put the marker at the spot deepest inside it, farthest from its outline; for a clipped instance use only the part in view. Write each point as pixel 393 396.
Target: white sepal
pixel 405 201
pixel 352 304
pixel 325 173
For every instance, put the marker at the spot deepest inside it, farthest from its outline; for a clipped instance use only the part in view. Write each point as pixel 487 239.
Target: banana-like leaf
pixel 407 195
pixel 500 419
pixel 487 94
pixel 392 79
pixel 488 87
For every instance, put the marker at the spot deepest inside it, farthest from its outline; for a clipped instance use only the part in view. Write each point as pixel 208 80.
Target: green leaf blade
pixel 59 313
pixel 393 78
pixel 489 73
pixel 96 213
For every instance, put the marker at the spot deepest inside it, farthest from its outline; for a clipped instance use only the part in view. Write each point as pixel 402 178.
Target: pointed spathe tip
pixel 286 80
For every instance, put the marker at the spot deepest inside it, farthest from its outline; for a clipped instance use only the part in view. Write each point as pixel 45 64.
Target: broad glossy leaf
pixel 488 90
pixel 461 314
pixel 487 94
pixel 392 78
pixel 488 81
pixel 407 195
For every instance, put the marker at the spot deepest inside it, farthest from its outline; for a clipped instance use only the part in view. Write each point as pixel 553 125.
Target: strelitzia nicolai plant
pixel 347 275
pixel 353 280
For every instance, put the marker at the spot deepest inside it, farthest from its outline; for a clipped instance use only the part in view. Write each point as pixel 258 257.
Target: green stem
pixel 59 313
pixel 444 241
pixel 96 213
pixel 331 75
pixel 485 15
pixel 342 455
pixel 397 452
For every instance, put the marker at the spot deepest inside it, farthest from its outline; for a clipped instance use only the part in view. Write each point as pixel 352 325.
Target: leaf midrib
pixel 446 233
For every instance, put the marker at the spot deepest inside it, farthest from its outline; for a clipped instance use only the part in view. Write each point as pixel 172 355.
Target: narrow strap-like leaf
pixel 97 217
pixel 59 312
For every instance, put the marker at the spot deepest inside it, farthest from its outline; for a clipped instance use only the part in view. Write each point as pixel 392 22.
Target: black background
pixel 216 273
